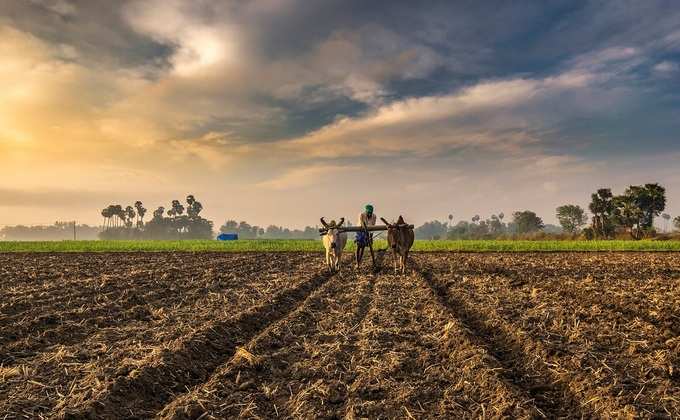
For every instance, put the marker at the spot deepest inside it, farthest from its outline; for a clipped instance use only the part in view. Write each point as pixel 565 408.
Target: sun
pixel 202 49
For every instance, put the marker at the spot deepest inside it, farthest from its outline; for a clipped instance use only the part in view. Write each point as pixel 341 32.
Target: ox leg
pixel 395 256
pixel 328 260
pixel 360 254
pixel 337 261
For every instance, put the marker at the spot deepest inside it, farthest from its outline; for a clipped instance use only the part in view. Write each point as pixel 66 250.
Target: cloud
pixel 666 67
pixel 197 45
pixel 487 115
pixel 62 8
pixel 318 175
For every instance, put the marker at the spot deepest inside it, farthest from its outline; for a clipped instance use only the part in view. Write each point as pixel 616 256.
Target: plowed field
pixel 266 335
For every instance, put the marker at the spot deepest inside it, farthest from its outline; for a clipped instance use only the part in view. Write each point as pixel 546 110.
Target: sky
pixel 282 111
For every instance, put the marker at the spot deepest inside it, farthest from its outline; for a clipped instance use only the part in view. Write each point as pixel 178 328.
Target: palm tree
pixel 602 207
pixel 450 219
pixel 177 208
pixel 141 211
pixel 196 208
pixel 501 216
pixel 476 218
pixel 158 213
pixel 111 213
pixel 119 212
pixel 129 215
pixel 138 205
pixel 190 205
pixel 105 215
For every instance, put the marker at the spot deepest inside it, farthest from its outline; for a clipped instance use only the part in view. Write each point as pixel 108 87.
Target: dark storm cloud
pixel 96 29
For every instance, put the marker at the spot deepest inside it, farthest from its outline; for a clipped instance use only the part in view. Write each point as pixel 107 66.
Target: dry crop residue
pixel 255 335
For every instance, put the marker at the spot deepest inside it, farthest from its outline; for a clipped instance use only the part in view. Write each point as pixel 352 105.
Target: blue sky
pixel 282 111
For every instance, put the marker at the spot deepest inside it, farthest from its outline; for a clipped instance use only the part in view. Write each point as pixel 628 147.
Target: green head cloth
pixel 369 209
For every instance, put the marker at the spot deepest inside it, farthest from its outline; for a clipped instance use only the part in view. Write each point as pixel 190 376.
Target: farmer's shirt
pixel 365 219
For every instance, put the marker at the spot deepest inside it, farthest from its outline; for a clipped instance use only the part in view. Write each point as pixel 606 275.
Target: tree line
pixel 524 222
pixel 246 231
pixel 59 231
pixel 177 222
pixel 630 214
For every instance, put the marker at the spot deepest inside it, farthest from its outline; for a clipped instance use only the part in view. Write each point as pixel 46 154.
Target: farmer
pixel 366 218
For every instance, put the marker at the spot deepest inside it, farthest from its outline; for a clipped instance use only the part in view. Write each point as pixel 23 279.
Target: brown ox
pixel 400 238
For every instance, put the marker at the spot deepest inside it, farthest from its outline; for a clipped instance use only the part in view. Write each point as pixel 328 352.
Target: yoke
pixel 366 229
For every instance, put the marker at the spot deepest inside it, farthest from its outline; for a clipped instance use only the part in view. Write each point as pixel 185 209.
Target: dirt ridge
pixel 149 387
pixel 549 394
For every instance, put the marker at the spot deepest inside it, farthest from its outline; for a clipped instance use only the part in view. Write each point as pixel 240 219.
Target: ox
pixel 400 238
pixel 334 240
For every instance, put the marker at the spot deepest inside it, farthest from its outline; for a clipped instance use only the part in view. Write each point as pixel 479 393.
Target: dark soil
pixel 213 335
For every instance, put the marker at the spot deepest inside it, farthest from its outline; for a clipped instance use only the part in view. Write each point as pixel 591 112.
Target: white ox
pixel 334 241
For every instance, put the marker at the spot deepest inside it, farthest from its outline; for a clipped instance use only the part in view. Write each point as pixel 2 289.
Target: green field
pixel 312 245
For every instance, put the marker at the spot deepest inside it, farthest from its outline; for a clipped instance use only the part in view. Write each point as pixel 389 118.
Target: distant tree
pixel 496 227
pixel 141 211
pixel 177 225
pixel 552 229
pixel 431 230
pixel 119 213
pixel 501 216
pixel 106 213
pixel 602 207
pixel 666 218
pixel 628 215
pixel 571 217
pixel 193 207
pixel 475 218
pixel 176 209
pixel 247 231
pixel 588 233
pixel 527 221
pixel 650 199
pixel 59 231
pixel 450 219
pixel 129 216
pixel 230 226
pixel 158 213
pixel 676 222
pixel 654 202
pixel 637 207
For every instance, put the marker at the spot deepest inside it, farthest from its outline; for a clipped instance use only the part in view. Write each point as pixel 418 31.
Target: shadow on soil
pixel 147 389
pixel 552 399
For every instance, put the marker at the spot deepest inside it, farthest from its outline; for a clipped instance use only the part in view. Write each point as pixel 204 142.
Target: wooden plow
pixel 366 230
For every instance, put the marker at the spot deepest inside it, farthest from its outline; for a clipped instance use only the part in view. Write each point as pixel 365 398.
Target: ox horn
pixel 386 222
pixel 323 222
pixel 342 220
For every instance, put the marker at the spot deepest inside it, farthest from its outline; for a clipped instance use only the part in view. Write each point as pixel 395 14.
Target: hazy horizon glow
pixel 278 112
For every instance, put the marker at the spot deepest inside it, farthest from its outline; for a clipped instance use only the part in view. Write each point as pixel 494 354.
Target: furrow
pixel 190 362
pixel 262 379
